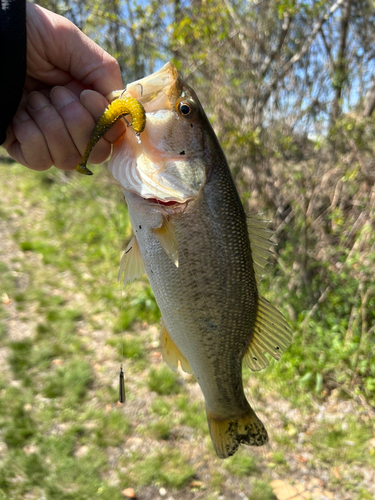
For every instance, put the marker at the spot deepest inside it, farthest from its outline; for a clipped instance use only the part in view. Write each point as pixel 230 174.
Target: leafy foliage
pixel 288 86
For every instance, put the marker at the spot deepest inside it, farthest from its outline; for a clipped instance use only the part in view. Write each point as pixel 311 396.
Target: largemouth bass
pixel 191 236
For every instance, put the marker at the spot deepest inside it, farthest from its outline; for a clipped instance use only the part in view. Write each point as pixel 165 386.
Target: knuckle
pixel 111 65
pixel 40 163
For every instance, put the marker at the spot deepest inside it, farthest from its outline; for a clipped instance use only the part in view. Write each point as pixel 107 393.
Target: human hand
pixel 57 115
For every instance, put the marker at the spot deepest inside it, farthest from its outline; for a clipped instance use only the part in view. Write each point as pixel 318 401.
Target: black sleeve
pixel 12 59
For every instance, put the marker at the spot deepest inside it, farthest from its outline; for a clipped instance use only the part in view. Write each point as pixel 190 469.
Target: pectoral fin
pixel 131 262
pixel 271 334
pixel 171 353
pixel 168 241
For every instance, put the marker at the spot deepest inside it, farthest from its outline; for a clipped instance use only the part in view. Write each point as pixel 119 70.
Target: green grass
pixel 163 468
pixel 141 307
pixel 7 288
pixel 160 429
pixel 112 430
pixel 261 491
pixel 63 435
pixel 128 347
pixel 163 381
pixel 70 382
pixel 160 407
pixel 193 414
pixel 350 442
pixel 241 465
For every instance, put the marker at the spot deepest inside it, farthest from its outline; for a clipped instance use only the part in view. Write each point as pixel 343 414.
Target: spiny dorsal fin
pixel 131 262
pixel 168 241
pixel 171 353
pixel 272 334
pixel 260 243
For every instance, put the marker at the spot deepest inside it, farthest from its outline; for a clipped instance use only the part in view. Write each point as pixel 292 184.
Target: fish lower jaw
pixel 171 203
pixel 173 206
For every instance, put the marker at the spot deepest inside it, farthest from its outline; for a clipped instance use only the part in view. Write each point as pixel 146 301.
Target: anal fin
pixel 131 262
pixel 271 334
pixel 168 241
pixel 171 353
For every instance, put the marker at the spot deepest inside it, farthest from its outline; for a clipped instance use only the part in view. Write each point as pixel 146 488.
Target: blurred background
pixel 289 87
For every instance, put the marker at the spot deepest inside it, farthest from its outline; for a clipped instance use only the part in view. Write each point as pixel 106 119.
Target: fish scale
pixel 200 283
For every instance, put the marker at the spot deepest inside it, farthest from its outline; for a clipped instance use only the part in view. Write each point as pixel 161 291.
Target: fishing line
pixel 122 395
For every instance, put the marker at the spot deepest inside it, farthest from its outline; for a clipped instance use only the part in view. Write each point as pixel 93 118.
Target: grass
pixel 129 347
pixel 261 491
pixel 167 467
pixel 163 381
pixel 241 465
pixel 66 325
pixel 192 413
pixel 350 440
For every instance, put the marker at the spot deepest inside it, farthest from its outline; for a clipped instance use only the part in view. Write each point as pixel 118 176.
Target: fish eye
pixel 186 109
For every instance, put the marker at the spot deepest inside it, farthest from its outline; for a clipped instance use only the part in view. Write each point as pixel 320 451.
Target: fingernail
pixel 87 92
pixel 60 97
pixel 37 101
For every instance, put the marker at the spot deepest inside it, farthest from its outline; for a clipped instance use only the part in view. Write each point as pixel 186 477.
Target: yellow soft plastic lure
pixel 117 109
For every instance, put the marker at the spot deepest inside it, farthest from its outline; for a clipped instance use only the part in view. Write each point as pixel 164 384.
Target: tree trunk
pixel 340 67
pixel 369 104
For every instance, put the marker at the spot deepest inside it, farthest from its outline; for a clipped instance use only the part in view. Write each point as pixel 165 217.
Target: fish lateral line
pixel 119 108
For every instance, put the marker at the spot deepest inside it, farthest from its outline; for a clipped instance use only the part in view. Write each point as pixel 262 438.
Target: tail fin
pixel 227 435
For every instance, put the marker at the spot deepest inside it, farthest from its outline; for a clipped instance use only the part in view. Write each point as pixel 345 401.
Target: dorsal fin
pixel 272 334
pixel 260 242
pixel 168 241
pixel 171 353
pixel 131 262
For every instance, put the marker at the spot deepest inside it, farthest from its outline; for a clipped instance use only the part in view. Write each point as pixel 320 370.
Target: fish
pixel 203 255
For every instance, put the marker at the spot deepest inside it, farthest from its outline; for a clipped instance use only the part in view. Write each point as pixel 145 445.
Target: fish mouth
pixel 158 165
pixel 171 203
pixel 157 91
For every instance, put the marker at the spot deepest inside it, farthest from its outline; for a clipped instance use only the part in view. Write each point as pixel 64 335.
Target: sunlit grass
pixel 193 413
pixel 261 491
pixel 64 437
pixel 347 438
pixel 163 381
pixel 167 467
pixel 241 464
pixel 129 347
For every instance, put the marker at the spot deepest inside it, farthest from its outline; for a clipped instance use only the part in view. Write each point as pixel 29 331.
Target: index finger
pixel 69 53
